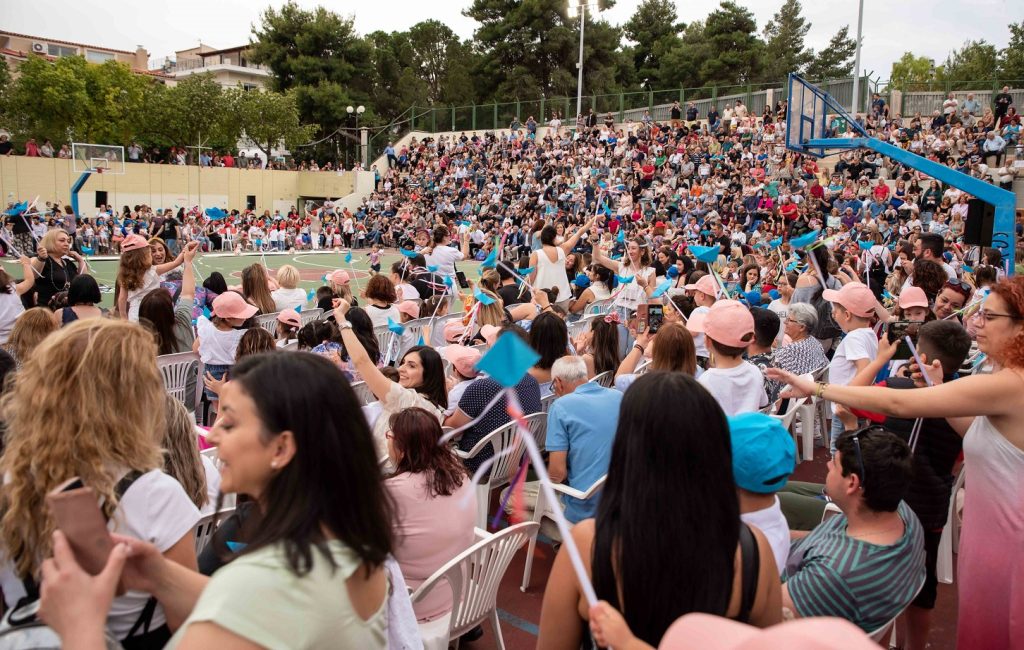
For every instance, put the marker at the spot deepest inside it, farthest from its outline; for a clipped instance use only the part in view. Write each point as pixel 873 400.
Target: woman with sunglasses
pixel 951 299
pixel 988 411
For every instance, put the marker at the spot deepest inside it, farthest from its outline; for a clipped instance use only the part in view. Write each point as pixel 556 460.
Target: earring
pixel 273 464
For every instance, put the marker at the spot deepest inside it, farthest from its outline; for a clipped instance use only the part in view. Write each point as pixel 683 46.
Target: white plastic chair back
pixel 501 439
pixel 177 370
pixel 211 453
pixel 538 424
pixel 310 315
pixel 363 393
pixel 605 379
pixel 544 509
pixel 437 329
pixel 599 307
pixel 831 510
pixel 948 541
pixel 269 322
pixel 474 576
pixel 388 343
pixel 292 346
pixel 580 326
pixel 642 367
pixel 546 401
pixel 207 526
pixel 414 329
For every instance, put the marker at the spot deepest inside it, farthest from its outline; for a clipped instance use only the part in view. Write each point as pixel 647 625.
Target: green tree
pixel 49 100
pixel 194 111
pixel 1011 58
pixel 784 49
pixel 974 62
pixel 681 65
pixel 912 72
pixel 654 28
pixel 836 60
pixel 442 61
pixel 319 55
pixel 118 97
pixel 736 51
pixel 268 119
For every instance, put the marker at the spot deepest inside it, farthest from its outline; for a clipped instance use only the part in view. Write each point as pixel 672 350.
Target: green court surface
pixel 312 266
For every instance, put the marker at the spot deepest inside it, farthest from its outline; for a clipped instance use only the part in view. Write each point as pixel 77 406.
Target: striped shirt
pixel 832 574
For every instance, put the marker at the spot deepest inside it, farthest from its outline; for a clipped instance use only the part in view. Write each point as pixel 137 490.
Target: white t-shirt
pixel 288 298
pixel 217 347
pixel 445 257
pixel 737 390
pixel 773 524
pixel 10 308
pixel 150 282
pixel 155 509
pixel 858 344
pixel 782 310
pixel 698 339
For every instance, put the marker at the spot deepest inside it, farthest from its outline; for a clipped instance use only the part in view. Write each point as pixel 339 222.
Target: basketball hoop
pixel 97 170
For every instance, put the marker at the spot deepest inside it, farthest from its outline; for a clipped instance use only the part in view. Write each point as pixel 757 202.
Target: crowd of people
pixel 676 285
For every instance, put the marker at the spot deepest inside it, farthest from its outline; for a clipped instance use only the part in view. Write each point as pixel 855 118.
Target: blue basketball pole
pixel 75 188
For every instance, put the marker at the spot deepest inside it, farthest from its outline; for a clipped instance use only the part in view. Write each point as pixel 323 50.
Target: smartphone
pixel 76 512
pixel 655 317
pixel 642 314
pixel 898 330
pixel 461 278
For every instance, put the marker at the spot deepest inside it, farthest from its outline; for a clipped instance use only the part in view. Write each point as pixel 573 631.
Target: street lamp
pixel 358 110
pixel 856 62
pixel 580 7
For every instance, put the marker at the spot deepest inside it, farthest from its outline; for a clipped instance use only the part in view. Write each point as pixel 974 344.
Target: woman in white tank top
pixel 548 263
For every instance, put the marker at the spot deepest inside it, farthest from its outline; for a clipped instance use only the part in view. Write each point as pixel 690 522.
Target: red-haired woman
pixel 435 501
pixel 988 411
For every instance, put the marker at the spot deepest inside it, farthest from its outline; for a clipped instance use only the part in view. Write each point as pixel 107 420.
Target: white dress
pixel 551 275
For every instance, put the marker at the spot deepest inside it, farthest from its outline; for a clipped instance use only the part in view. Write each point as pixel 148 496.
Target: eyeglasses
pixel 959 285
pixel 860 458
pixel 983 316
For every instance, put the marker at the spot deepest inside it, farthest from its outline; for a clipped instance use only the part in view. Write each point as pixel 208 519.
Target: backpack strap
pixel 750 566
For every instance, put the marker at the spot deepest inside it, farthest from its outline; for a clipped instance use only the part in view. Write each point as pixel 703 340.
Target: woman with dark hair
pixel 549 337
pixel 435 504
pixel 549 261
pixel 171 323
pixel 671 349
pixel 256 288
pixel 599 347
pixel 636 556
pixel 929 276
pixel 83 296
pixel 599 288
pixel 421 381
pixel 312 573
pixel 381 298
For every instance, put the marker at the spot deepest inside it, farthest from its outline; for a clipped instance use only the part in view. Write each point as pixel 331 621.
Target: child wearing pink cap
pixel 737 385
pixel 217 338
pixel 853 306
pixel 137 276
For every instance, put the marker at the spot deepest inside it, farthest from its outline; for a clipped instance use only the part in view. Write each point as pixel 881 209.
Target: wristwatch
pixel 344 325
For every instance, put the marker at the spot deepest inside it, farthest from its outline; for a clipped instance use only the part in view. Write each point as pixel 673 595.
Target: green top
pixel 258 598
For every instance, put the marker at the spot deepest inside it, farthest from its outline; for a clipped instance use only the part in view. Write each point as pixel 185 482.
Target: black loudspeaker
pixel 101 198
pixel 250 204
pixel 981 219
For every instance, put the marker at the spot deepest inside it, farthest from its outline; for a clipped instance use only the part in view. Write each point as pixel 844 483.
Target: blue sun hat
pixel 763 452
pixel 581 281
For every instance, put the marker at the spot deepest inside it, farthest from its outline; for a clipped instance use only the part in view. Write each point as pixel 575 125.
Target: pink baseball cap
pixel 290 317
pixel 232 305
pixel 409 308
pixel 728 322
pixel 490 333
pixel 717 633
pixel 913 297
pixel 463 359
pixel 133 242
pixel 453 330
pixel 706 285
pixel 855 297
pixel 339 277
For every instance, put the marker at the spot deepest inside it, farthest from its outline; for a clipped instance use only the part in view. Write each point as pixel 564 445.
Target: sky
pixel 925 27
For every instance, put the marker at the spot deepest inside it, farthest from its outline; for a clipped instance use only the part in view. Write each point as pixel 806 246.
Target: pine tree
pixel 836 60
pixel 784 42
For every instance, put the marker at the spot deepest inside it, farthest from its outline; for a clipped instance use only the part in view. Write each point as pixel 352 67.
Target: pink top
pixel 991 558
pixel 430 532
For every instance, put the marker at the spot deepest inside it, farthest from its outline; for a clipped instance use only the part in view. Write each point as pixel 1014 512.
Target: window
pixel 60 50
pixel 248 87
pixel 98 57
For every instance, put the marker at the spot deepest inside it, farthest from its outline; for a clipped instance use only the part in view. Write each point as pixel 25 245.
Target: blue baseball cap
pixel 763 452
pixel 581 281
pixel 753 298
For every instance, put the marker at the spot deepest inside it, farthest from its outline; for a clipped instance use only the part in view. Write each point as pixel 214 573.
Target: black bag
pixel 826 327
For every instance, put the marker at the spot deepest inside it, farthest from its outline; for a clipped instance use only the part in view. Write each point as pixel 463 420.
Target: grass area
pixel 311 265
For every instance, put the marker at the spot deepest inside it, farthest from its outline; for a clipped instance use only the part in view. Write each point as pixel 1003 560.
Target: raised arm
pixel 368 370
pixel 188 276
pixel 177 261
pixel 598 257
pixel 570 243
pixel 30 276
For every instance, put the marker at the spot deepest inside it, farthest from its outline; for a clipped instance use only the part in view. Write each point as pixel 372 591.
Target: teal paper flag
pixel 18 209
pixel 215 213
pixel 623 280
pixel 707 254
pixel 482 298
pixel 527 271
pixel 865 245
pixel 661 289
pixel 407 253
pixel 508 360
pixel 803 241
pixel 397 328
pixel 775 243
pixel 348 257
pixel 491 260
pixel 621 237
pixel 432 268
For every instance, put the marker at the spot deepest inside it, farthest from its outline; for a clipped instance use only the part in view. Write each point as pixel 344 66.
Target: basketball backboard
pixel 97 158
pixel 808 115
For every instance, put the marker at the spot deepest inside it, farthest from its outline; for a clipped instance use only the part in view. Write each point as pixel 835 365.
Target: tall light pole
pixel 580 7
pixel 357 110
pixel 856 63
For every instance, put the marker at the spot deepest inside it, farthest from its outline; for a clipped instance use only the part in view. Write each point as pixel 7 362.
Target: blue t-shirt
pixel 583 424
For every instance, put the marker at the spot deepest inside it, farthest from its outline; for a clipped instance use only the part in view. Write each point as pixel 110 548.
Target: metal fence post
pixel 412 118
pixel 714 97
pixel 495 127
pixel 433 120
pixel 453 119
pixel 541 116
pixel 568 107
pixel 519 115
pixel 472 121
pixel 622 107
pixel 650 99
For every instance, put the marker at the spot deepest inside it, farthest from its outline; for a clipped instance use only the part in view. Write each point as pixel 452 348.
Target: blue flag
pixel 792 267
pixel 86 250
pixel 803 241
pixel 407 253
pixel 672 272
pixel 508 360
pixel 865 245
pixel 448 280
pixel 348 257
pixel 18 209
pixel 621 237
pixel 707 254
pixel 527 271
pixel 397 328
pixel 432 268
pixel 215 213
pixel 775 243
pixel 661 289
pixel 482 297
pixel 623 280
pixel 491 260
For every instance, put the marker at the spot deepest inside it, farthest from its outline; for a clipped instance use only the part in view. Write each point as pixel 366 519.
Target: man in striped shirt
pixel 867 564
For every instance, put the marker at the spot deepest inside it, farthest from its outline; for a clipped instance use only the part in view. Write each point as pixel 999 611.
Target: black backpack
pixel 826 327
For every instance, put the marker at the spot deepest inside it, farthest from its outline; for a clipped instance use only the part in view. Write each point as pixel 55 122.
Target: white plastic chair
pixel 414 329
pixel 605 379
pixel 437 329
pixel 544 509
pixel 831 510
pixel 546 401
pixel 363 393
pixel 578 327
pixel 888 631
pixel 269 322
pixel 474 576
pixel 310 315
pixel 788 420
pixel 950 539
pixel 538 425
pixel 388 342
pixel 177 370
pixel 812 417
pixel 598 307
pixel 501 439
pixel 292 346
pixel 207 526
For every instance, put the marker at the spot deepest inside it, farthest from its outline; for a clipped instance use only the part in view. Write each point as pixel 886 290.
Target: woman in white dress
pixel 548 263
pixel 636 265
